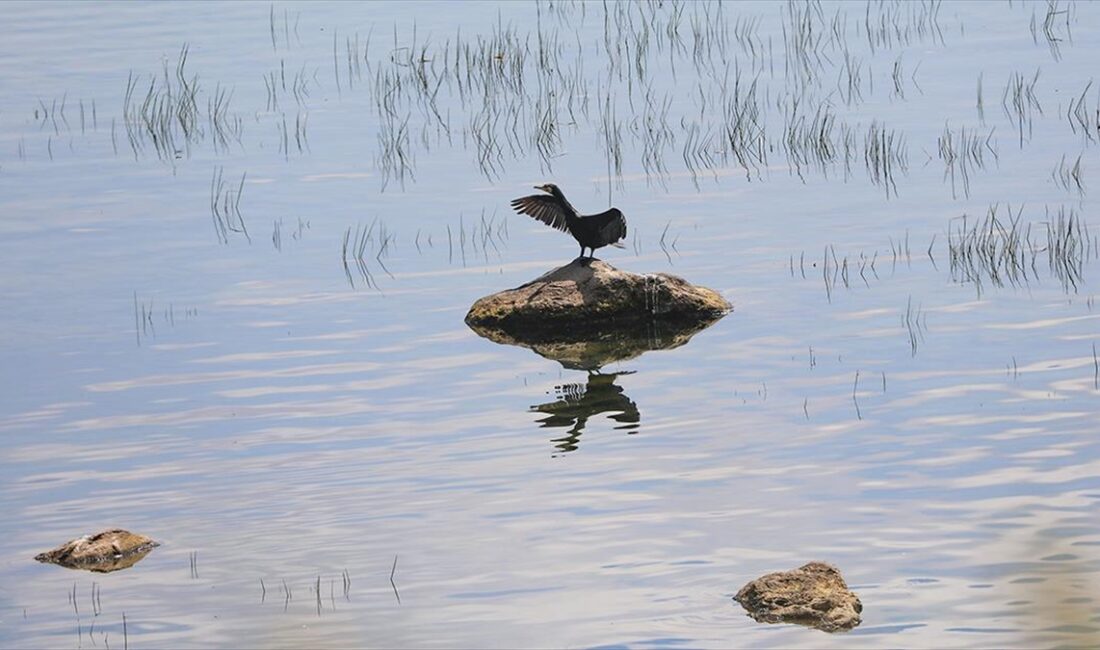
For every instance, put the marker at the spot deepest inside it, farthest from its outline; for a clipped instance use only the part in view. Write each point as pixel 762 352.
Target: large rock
pixel 576 298
pixel 103 552
pixel 814 595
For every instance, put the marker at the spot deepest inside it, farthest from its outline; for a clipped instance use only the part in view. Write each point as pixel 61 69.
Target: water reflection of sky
pixel 935 442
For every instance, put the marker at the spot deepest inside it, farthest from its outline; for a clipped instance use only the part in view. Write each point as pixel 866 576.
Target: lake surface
pixel 239 241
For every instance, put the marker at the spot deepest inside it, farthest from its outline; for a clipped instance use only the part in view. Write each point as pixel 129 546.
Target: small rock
pixel 814 595
pixel 589 291
pixel 103 552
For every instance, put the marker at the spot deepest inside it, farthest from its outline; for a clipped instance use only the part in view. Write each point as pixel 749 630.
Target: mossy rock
pixel 572 300
pixel 814 595
pixel 103 552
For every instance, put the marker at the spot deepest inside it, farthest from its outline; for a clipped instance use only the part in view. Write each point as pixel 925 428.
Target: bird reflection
pixel 578 402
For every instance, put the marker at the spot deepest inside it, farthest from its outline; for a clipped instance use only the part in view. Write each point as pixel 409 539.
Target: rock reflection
pixel 590 350
pixel 104 565
pixel 578 402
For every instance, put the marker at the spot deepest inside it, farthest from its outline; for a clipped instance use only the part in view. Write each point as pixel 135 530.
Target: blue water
pixel 259 401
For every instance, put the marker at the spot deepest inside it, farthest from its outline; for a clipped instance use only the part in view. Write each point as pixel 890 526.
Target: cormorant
pixel 591 230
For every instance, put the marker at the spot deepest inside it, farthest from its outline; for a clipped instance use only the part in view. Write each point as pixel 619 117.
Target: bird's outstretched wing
pixel 611 224
pixel 545 208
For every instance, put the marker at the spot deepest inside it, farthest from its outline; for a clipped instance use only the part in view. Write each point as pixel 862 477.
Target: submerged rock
pixel 103 552
pixel 814 595
pixel 567 302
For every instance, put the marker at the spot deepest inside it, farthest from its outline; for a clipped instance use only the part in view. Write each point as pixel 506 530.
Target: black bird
pixel 590 230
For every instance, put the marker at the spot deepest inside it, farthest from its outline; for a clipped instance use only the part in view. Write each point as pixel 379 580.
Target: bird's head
pixel 549 188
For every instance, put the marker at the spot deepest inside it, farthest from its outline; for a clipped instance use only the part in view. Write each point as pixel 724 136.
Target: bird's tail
pixel 618 245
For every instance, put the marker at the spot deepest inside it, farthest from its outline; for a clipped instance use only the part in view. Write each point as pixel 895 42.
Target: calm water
pixel 192 351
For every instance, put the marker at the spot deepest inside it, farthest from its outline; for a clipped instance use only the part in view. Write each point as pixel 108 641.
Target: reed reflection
pixel 576 403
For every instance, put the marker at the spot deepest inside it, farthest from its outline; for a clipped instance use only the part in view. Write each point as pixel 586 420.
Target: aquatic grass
pixel 806 36
pixel 837 271
pixel 1095 369
pixel 296 233
pixel 167 116
pixel 354 249
pixel 888 25
pixel 1082 118
pixel 996 248
pixel 395 157
pixel 1068 246
pixel 315 587
pixel 168 113
pixel 84 115
pixel 97 597
pixel 666 246
pixel 277 235
pixel 896 72
pixel 916 324
pixel 610 132
pixel 699 151
pixel 514 94
pixel 275 30
pixel 488 232
pixel 1000 248
pixel 744 125
pixel 656 135
pixel 963 152
pixel 225 127
pixel 225 207
pixel 855 399
pixel 143 320
pixel 516 91
pixel 1069 176
pixel 980 102
pixel 885 155
pixel 817 140
pixel 1054 19
pixel 393 584
pixel 851 77
pixel 47 115
pixel 271 86
pixel 1020 103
